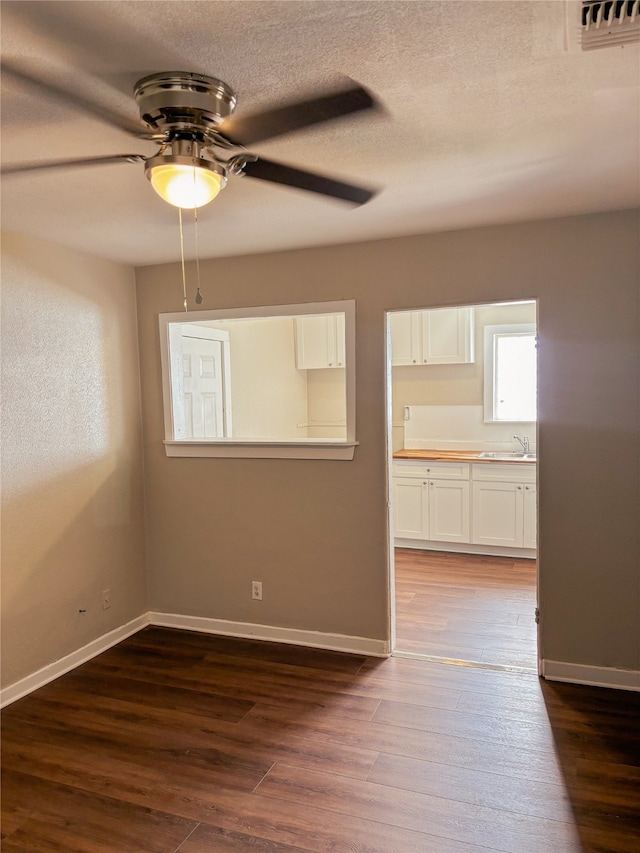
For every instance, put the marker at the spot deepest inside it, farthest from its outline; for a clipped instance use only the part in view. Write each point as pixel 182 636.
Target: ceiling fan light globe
pixel 185 186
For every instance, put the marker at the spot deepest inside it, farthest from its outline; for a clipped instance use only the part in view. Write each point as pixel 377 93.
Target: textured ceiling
pixel 492 114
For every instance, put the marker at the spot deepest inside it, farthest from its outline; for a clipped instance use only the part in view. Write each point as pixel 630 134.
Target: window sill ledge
pixel 313 449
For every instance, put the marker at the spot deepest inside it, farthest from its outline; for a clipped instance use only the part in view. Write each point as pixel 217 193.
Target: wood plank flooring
pixel 175 741
pixel 466 607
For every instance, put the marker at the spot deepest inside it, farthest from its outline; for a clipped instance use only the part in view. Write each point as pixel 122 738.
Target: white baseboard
pixel 596 676
pixel 54 670
pixel 290 636
pixel 245 630
pixel 620 679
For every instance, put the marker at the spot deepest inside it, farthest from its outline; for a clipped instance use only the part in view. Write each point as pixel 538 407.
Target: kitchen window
pixel 510 373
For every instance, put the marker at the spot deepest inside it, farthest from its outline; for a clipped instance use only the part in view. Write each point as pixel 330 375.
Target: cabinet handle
pixel 414 361
pixel 424 482
pixel 431 484
pixel 519 488
pixel 426 360
pixel 527 488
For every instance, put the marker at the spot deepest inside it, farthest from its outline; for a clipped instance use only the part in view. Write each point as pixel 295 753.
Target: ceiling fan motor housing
pixel 188 116
pixel 180 100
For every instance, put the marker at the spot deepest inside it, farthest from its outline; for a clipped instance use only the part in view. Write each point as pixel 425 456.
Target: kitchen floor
pixel 466 607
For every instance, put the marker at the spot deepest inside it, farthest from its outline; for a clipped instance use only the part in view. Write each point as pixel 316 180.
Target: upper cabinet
pixel 439 336
pixel 319 341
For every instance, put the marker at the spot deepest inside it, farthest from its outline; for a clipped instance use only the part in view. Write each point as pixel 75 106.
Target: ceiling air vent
pixel 610 23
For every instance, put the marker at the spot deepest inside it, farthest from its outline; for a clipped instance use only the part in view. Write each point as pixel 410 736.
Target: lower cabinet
pixel 448 511
pixel 411 508
pixel 530 520
pixel 487 505
pixel 427 507
pixel 504 506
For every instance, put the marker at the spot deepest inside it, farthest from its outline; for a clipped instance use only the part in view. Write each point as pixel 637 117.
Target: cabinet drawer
pixel 514 472
pixel 440 470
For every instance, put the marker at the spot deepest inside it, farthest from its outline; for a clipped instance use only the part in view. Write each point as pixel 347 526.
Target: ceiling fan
pixel 189 116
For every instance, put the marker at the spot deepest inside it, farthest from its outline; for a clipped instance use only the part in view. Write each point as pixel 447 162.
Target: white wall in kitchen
pixel 460 428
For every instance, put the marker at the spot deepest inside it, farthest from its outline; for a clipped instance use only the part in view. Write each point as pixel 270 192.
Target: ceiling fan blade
pixel 103 113
pixel 268 170
pixel 64 164
pixel 245 130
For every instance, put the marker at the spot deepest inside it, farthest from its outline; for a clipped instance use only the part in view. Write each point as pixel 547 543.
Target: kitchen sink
pixel 527 457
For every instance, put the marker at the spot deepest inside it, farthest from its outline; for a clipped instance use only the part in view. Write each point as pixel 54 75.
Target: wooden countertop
pixel 455 456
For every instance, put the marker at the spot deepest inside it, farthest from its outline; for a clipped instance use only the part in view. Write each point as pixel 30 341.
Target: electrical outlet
pixel 106 599
pixel 256 590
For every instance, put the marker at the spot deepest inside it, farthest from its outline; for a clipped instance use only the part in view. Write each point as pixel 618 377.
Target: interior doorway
pixel 462 454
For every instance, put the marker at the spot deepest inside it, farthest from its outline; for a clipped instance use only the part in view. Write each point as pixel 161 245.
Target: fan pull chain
pixel 195 229
pixel 184 276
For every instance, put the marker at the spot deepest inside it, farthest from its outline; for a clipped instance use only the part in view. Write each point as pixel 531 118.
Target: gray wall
pixel 315 531
pixel 72 508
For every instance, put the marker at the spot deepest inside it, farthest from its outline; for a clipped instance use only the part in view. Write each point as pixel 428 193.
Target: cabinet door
pixel 319 341
pixel 448 511
pixel 530 525
pixel 411 512
pixel 447 336
pixel 405 338
pixel 497 514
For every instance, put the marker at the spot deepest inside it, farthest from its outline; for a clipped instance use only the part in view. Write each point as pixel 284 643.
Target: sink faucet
pixel 524 441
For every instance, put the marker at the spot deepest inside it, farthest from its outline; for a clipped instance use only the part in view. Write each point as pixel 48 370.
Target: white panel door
pixel 202 388
pixel 200 375
pixel 448 511
pixel 497 514
pixel 411 510
pixel 530 528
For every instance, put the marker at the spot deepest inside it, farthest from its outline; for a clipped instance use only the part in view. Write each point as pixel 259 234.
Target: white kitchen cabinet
pixel 438 336
pixel 448 510
pixel 498 514
pixel 406 338
pixel 530 521
pixel 319 341
pixel 431 501
pixel 481 508
pixel 447 336
pixel 411 508
pixel 504 506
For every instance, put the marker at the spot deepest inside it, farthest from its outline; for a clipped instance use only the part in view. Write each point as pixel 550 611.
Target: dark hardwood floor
pixel 466 607
pixel 176 741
